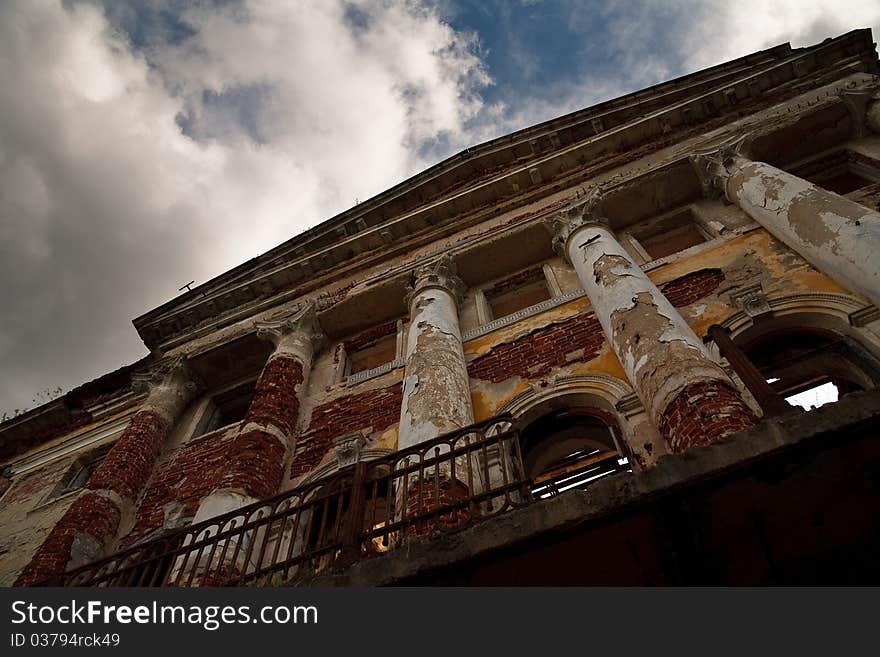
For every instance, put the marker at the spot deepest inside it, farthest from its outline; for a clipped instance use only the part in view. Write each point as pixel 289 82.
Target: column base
pixel 433 495
pixel 702 413
pixel 80 537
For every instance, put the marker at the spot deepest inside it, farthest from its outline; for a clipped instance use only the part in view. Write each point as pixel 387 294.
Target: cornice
pixel 366 234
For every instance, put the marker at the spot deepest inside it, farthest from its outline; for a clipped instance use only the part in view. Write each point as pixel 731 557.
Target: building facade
pixel 573 354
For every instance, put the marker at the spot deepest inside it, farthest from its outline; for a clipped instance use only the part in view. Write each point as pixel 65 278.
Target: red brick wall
pixel 374 409
pixel 256 462
pixel 186 476
pixel 703 413
pixel 124 471
pixel 275 401
pixel 424 499
pixel 129 463
pixel 534 355
pixel 528 275
pixel 31 488
pixel 370 336
pixel 91 514
pixel 692 287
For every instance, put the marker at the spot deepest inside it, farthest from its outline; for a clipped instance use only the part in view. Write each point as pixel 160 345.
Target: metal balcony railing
pixel 374 506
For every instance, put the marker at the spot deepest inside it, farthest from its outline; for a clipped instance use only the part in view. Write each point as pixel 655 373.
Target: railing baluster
pixel 305 517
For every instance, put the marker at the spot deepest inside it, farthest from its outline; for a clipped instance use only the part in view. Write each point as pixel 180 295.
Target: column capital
pixel 440 274
pixel 715 164
pixel 566 222
pixel 296 334
pixel 863 106
pixel 170 385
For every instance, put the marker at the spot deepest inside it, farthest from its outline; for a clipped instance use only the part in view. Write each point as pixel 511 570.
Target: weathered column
pixel 256 463
pixel 436 389
pixel 837 236
pixel 688 396
pixel 91 523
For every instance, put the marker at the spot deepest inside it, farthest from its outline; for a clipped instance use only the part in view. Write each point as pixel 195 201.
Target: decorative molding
pixel 752 300
pixel 863 108
pixel 332 467
pixel 441 274
pixel 360 377
pixel 66 447
pixel 715 164
pixel 521 314
pixel 630 406
pixel 577 214
pixel 348 448
pixel 839 305
pixel 302 324
pixel 864 316
pixel 611 389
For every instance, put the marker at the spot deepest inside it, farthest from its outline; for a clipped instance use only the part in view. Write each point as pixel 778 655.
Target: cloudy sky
pixel 148 143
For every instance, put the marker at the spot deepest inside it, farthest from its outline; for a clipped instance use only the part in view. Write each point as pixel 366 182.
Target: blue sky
pixel 146 144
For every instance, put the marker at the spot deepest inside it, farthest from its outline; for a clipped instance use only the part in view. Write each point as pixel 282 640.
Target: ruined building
pixel 570 355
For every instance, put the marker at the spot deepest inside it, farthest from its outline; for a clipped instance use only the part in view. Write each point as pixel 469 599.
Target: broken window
pixel 569 449
pixel 665 235
pixel 79 473
pixel 810 367
pixel 227 408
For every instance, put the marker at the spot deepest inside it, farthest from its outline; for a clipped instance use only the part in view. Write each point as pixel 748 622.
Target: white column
pixel 837 236
pixel 436 389
pixel 659 351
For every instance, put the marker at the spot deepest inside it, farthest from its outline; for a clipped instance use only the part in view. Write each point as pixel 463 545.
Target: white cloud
pixel 107 206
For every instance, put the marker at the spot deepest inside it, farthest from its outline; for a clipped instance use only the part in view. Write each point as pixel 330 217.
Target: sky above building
pixel 147 144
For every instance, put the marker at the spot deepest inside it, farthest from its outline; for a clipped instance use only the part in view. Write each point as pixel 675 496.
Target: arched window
pixel 571 448
pixel 810 367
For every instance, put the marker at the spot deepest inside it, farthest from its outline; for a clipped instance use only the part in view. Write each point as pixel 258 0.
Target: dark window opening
pixel 330 515
pixel 670 234
pixel 842 182
pixel 78 474
pixel 505 300
pixel 383 350
pixel 228 407
pixel 810 368
pixel 569 449
pixel 841 172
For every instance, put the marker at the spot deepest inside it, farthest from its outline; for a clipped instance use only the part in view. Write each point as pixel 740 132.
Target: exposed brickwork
pixel 91 514
pixel 129 463
pixel 256 460
pixel 526 276
pixel 185 477
pixel 424 499
pixel 692 287
pixel 371 336
pixel 534 355
pixel 275 402
pixel 30 485
pixel 375 410
pixel 256 467
pixel 124 471
pixel 703 413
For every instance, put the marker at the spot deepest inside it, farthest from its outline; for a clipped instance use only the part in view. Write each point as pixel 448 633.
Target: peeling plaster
pixel 836 235
pixel 658 350
pixel 436 393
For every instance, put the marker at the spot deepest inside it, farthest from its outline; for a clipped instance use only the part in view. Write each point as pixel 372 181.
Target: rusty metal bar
pixel 768 399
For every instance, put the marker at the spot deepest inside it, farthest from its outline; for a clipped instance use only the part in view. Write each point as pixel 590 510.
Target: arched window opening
pixel 812 367
pixel 570 448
